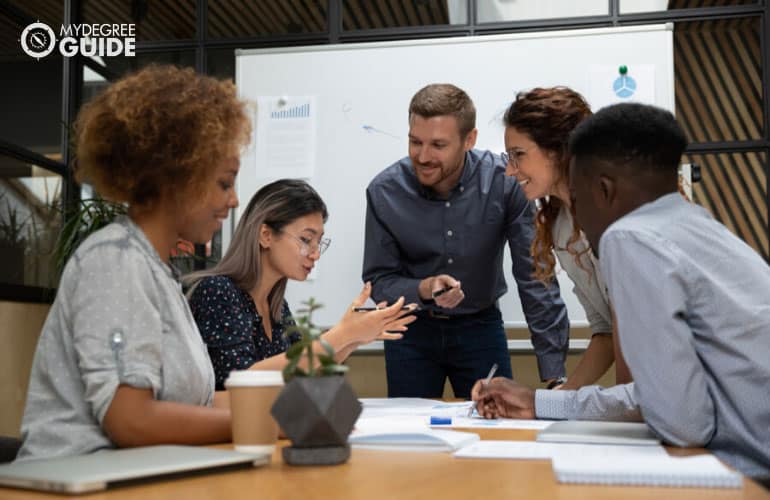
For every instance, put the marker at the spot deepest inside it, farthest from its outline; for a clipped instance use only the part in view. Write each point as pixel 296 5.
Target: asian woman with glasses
pixel 239 304
pixel 537 127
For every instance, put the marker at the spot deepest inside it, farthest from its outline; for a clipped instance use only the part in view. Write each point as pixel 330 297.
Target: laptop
pixel 103 469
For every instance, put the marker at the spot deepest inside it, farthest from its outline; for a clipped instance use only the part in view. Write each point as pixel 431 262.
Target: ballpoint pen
pixel 369 309
pixel 441 292
pixel 486 381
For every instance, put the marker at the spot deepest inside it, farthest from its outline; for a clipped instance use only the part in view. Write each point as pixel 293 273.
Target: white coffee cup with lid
pixel 252 394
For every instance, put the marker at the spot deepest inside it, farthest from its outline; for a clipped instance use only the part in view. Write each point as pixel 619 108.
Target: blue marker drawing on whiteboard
pixel 497 118
pixel 373 130
pixel 346 109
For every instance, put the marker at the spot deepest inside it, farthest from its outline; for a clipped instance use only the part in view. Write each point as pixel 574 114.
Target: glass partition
pixel 30 221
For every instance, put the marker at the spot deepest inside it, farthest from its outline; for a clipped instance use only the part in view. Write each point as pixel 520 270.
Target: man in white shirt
pixel 691 299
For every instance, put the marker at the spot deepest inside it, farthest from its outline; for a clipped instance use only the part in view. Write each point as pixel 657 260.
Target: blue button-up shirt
pixel 412 233
pixel 693 316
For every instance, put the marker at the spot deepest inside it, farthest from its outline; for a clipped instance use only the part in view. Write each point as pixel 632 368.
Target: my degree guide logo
pixel 104 40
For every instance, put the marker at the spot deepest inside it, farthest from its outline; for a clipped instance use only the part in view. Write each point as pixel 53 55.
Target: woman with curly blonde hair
pixel 537 128
pixel 120 361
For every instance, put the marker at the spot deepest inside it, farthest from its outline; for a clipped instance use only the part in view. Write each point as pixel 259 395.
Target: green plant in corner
pixel 91 215
pixel 318 364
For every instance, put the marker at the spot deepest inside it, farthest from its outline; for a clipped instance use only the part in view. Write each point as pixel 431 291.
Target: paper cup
pixel 252 394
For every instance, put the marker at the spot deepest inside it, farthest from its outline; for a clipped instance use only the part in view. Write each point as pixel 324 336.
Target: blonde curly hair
pixel 157 131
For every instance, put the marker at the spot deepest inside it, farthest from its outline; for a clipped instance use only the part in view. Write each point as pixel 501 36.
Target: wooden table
pixel 388 475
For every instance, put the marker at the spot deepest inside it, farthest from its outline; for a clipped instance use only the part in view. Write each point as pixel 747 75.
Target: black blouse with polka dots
pixel 232 328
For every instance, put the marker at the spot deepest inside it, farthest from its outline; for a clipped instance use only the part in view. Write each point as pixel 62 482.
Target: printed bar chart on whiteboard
pixel 285 137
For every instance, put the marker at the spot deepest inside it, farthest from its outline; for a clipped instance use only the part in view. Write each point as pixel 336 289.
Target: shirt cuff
pixel 552 405
pixel 407 288
pixel 551 365
pixel 600 328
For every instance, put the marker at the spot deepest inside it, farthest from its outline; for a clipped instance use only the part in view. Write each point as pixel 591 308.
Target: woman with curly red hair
pixel 537 128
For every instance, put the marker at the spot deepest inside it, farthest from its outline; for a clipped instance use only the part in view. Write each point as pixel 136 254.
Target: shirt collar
pixel 665 201
pixel 136 232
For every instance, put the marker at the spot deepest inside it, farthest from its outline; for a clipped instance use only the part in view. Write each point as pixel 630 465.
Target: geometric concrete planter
pixel 317 415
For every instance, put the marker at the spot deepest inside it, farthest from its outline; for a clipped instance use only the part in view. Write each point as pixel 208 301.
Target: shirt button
pixel 450 261
pixel 449 233
pixel 447 204
pixel 462 188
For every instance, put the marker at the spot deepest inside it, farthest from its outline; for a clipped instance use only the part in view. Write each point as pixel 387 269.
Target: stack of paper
pixel 529 450
pixel 419 412
pixel 412 440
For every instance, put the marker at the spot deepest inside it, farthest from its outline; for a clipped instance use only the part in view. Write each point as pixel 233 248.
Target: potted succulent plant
pixel 317 408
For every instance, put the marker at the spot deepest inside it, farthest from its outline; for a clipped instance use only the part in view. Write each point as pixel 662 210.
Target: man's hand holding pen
pixel 502 397
pixel 443 289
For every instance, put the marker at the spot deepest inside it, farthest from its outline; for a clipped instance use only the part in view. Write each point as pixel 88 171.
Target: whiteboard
pixel 355 86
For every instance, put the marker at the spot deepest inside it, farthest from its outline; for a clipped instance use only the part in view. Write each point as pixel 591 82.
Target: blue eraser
pixel 440 420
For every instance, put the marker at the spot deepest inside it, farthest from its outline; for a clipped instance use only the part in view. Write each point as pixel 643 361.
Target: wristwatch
pixel 556 382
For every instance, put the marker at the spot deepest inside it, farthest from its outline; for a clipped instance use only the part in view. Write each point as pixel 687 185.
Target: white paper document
pixel 608 86
pixel 377 407
pixel 495 423
pixel 419 412
pixel 286 137
pixel 531 450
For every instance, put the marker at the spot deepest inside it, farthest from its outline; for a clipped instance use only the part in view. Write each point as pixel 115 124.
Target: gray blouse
pixel 119 318
pixel 590 287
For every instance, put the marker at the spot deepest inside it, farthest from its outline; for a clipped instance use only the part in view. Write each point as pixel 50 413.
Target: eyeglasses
pixel 512 157
pixel 308 246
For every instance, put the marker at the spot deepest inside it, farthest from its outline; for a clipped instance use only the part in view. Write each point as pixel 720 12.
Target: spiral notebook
pixel 699 471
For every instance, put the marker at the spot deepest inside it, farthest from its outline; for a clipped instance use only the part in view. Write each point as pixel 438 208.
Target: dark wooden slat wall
pixel 378 14
pixel 718 79
pixel 719 98
pixel 168 20
pixel 734 190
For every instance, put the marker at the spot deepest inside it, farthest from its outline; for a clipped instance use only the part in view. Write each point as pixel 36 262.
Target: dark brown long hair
pixel 547 116
pixel 277 205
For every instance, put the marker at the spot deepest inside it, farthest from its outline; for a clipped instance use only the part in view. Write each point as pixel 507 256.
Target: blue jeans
pixel 462 348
